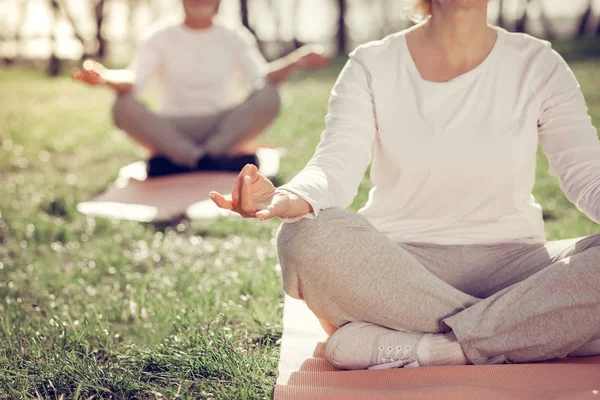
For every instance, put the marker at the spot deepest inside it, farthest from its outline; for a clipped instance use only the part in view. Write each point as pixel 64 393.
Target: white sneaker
pixel 362 345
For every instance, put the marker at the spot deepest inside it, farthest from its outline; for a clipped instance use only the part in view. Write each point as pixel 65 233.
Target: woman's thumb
pixel 266 213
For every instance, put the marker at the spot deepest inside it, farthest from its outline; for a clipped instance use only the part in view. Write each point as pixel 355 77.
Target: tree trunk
pixel 501 22
pixel 521 23
pixel 99 14
pixel 342 33
pixel 245 15
pixel 296 11
pixel 54 63
pixel 18 35
pixel 67 14
pixel 585 20
pixel 549 31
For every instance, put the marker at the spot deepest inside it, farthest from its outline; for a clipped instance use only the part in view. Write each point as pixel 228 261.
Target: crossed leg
pixel 347 271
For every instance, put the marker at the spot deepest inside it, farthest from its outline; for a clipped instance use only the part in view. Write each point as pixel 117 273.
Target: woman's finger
pixel 237 187
pixel 246 202
pixel 253 173
pixel 221 201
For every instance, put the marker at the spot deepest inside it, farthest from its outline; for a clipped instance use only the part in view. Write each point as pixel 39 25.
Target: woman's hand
pixel 254 196
pixel 91 73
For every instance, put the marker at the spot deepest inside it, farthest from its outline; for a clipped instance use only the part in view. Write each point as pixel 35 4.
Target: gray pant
pixel 504 302
pixel 184 140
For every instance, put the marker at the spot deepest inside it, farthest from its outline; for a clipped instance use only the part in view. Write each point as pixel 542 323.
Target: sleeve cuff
pixel 313 204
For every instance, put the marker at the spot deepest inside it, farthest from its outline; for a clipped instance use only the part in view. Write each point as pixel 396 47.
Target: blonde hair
pixel 417 10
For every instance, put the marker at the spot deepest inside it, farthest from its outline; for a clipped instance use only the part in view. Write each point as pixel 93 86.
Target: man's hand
pixel 91 73
pixel 95 74
pixel 312 57
pixel 307 57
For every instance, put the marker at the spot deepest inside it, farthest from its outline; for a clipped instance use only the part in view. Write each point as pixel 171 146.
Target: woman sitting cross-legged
pixel 447 262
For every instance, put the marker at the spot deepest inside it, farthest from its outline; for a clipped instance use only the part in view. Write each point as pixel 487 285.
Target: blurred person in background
pixel 447 262
pixel 201 124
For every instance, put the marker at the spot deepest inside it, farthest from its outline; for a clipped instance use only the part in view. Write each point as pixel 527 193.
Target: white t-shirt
pixel 454 162
pixel 197 69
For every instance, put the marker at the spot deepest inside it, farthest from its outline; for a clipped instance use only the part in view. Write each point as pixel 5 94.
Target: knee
pixel 292 249
pixel 588 243
pixel 305 245
pixel 121 107
pixel 595 239
pixel 268 100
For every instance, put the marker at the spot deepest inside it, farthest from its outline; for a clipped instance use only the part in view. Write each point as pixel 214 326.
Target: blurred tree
pixel 18 32
pixel 501 22
pixel 54 63
pixel 96 47
pixel 244 12
pixel 521 23
pixel 296 14
pixel 99 19
pixel 277 12
pixel 585 19
pixel 549 31
pixel 76 32
pixel 342 30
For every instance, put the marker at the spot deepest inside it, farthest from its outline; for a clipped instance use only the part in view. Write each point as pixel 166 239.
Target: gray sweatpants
pixel 184 140
pixel 510 302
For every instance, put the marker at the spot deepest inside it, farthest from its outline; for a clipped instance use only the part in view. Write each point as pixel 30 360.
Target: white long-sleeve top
pixel 196 69
pixel 454 162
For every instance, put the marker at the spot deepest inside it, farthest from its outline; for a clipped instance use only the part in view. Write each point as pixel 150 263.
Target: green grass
pixel 92 307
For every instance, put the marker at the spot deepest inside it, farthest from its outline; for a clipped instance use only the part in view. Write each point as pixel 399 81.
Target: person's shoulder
pixel 525 47
pixel 161 30
pixel 235 33
pixel 536 59
pixel 379 47
pixel 380 51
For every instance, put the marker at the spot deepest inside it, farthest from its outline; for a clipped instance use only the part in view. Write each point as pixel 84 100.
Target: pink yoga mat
pixel 133 197
pixel 305 374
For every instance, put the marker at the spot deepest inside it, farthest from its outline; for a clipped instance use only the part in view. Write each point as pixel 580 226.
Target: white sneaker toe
pixel 362 345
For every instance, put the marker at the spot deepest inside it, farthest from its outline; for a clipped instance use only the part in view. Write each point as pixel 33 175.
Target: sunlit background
pixel 107 308
pixel 36 28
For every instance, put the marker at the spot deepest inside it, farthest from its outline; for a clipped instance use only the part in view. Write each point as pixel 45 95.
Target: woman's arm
pixel 569 139
pixel 332 176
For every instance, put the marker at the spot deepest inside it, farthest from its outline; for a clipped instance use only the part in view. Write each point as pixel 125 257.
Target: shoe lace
pixel 394 357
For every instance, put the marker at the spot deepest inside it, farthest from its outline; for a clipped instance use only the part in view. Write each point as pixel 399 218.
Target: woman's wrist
pixel 298 206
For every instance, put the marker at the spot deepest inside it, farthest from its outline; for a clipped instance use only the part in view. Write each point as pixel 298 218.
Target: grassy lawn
pixel 120 309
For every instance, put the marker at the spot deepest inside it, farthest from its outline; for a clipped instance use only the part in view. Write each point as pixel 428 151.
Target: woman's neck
pixel 460 33
pixel 199 24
